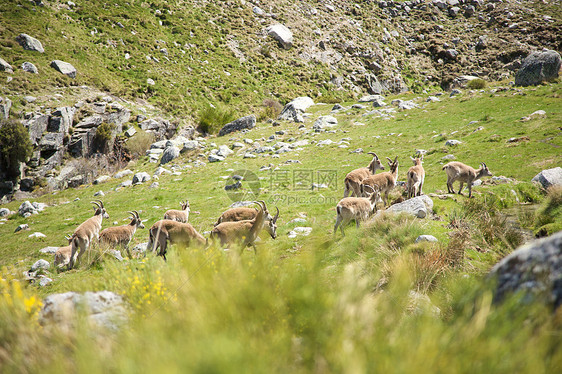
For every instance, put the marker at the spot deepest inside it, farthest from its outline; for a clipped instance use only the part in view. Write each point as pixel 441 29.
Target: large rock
pixel 248 122
pixel 61 119
pixel 51 141
pixel 294 110
pixel 26 209
pixel 324 122
pixel 29 43
pixel 169 154
pixel 36 126
pixel 141 177
pixel 535 270
pixel 549 177
pixel 281 34
pixel 4 66
pixel 538 67
pixel 64 68
pixel 162 128
pixel 103 309
pixel 419 206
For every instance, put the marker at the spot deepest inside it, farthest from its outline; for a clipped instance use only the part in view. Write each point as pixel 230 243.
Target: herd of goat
pixel 364 189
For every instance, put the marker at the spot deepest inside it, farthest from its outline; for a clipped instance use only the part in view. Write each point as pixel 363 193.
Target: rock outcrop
pixel 248 122
pixel 538 67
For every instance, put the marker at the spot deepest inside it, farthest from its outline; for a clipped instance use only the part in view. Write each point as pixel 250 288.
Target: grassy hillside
pixel 316 303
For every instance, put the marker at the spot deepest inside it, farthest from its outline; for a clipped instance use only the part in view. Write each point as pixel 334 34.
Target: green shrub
pixel 548 217
pixel 138 144
pixel 15 146
pixel 270 109
pixel 212 119
pixel 104 137
pixel 476 84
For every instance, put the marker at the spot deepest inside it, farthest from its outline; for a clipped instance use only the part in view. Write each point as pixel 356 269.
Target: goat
pixel 246 231
pixel 121 235
pixel 357 208
pixel 416 176
pixel 179 215
pixel 354 178
pixel 62 254
pixel 174 232
pixel 383 182
pixel 87 231
pixel 241 213
pixel 457 171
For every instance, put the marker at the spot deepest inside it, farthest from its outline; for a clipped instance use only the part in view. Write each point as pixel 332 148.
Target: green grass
pixel 321 302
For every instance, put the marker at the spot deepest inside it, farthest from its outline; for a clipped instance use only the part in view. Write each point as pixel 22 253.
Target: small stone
pixel 452 142
pixel 426 238
pixel 40 264
pixel 37 235
pixel 21 227
pixel 49 250
pixel 29 67
pixel 99 193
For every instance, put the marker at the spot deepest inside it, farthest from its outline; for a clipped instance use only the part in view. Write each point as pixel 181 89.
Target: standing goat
pixel 416 176
pixel 121 235
pixel 174 232
pixel 357 208
pixel 86 232
pixel 457 171
pixel 383 182
pixel 62 255
pixel 179 215
pixel 246 231
pixel 354 178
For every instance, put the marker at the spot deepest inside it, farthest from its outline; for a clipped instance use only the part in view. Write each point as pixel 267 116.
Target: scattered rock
pixel 141 177
pixel 40 265
pixel 426 238
pixel 29 67
pixel 99 194
pixel 101 179
pixel 4 66
pixel 452 142
pixel 131 131
pixel 44 281
pixel 64 68
pixel 49 250
pixel 29 43
pixel 248 122
pixel 535 115
pixel 303 231
pixel 215 158
pixel 294 110
pixel 281 34
pixel 324 122
pixel 538 67
pixel 26 209
pixel 5 212
pixel 103 309
pixel 169 154
pixel 37 235
pixel 122 173
pixel 419 206
pixel 535 269
pixel 549 177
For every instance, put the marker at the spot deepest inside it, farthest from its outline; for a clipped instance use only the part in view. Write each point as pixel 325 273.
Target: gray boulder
pixel 4 66
pixel 40 265
pixel 122 173
pixel 452 142
pixel 141 177
pixel 190 145
pixel 4 212
pixel 130 132
pixel 51 141
pixel 64 68
pixel 426 238
pixel 23 226
pixel 37 235
pixel 162 128
pixel 29 43
pixel 224 151
pixel 538 67
pixel 419 206
pixel 281 34
pixel 169 154
pixel 549 177
pixel 103 309
pixel 101 179
pixel 61 119
pixel 534 270
pixel 295 109
pixel 248 122
pixel 213 157
pixel 29 67
pixel 49 250
pixel 26 209
pixel 324 122
pixel 44 281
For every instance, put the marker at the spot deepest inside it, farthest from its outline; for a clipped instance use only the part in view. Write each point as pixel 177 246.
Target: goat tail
pixel 338 210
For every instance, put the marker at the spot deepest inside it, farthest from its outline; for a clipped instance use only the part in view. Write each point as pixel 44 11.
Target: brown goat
pixel 354 178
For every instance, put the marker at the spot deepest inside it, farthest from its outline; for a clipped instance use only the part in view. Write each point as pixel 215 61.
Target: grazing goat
pixel 87 232
pixel 383 182
pixel 416 176
pixel 246 231
pixel 62 254
pixel 179 215
pixel 241 213
pixel 357 208
pixel 174 232
pixel 121 235
pixel 354 178
pixel 457 171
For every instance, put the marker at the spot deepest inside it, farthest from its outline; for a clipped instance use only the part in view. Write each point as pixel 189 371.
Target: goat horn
pixel 101 203
pixel 276 215
pixel 373 154
pixel 395 159
pixel 136 213
pixel 389 160
pixel 95 202
pixel 264 206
